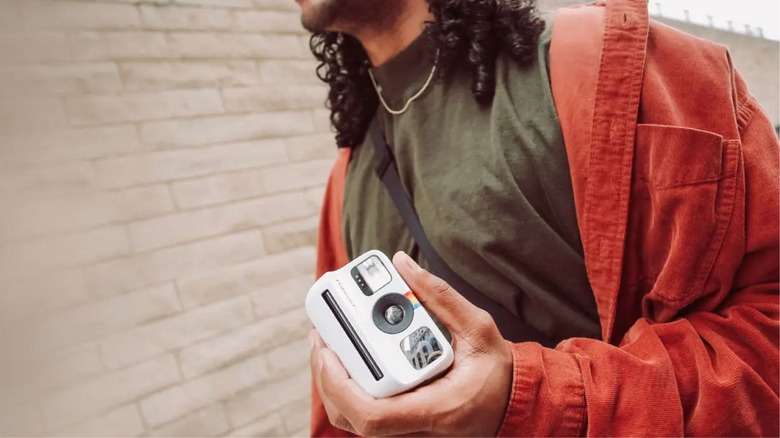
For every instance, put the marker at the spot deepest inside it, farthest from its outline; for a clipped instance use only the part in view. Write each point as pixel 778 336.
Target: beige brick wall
pixel 161 170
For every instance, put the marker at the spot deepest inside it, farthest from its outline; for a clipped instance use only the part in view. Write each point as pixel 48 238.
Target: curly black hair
pixel 470 31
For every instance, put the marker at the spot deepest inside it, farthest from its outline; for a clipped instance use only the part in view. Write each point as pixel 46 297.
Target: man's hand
pixel 470 399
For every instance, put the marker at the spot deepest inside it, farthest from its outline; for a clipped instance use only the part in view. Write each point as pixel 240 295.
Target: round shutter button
pixel 394 314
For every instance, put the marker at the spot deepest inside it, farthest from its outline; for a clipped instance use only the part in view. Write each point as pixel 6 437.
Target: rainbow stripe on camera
pixel 413 299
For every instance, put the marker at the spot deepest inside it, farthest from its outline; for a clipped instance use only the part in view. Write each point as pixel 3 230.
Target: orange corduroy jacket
pixel 675 175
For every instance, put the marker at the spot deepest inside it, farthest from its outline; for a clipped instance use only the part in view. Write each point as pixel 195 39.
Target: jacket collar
pixel 597 60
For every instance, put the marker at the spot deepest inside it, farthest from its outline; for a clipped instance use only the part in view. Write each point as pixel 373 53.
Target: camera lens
pixel 394 314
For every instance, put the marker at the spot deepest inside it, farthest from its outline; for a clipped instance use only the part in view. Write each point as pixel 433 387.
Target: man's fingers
pixel 333 369
pixel 350 408
pixel 368 416
pixel 314 359
pixel 334 415
pixel 342 390
pixel 441 300
pixel 349 401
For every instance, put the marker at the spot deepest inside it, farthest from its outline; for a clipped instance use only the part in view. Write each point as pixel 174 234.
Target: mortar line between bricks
pixel 93 299
pixel 292 373
pixel 290 405
pixel 259 168
pixel 255 313
pixel 150 29
pixel 258 228
pixel 287 147
pixel 139 398
pixel 74 232
pixel 182 378
pixel 179 369
pixel 238 200
pixel 225 111
pixel 97 193
pixel 147 251
pixel 221 400
pixel 168 423
pixel 57 348
pixel 144 421
pixel 128 237
pixel 230 30
pixel 164 60
pixel 217 173
pixel 67 268
pixel 238 141
pixel 197 117
pixel 228 202
pixel 169 3
pixel 170 58
pixel 211 87
pixel 284 137
pixel 174 200
pixel 146 149
pixel 249 354
pixel 62 233
pixel 231 426
pixel 175 285
pixel 267 416
pixel 84 418
pixel 79 420
pixel 114 123
pixel 170 352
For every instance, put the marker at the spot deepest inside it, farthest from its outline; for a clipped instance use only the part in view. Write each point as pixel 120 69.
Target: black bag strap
pixel 511 327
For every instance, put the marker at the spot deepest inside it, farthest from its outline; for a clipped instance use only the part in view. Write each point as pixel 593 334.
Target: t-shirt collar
pixel 403 75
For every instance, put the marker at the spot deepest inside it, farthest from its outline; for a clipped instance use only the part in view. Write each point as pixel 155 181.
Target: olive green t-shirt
pixel 490 184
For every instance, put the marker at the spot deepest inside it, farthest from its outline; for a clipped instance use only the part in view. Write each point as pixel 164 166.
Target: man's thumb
pixel 438 297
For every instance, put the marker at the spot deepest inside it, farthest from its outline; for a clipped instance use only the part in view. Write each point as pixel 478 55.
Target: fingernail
pixel 412 264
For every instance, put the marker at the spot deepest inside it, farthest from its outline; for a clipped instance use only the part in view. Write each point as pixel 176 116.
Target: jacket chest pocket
pixel 682 198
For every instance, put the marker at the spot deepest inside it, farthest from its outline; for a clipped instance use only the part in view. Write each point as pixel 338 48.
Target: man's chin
pixel 317 15
pixel 311 25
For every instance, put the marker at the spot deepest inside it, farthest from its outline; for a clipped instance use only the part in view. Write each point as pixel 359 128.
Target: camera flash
pixel 374 273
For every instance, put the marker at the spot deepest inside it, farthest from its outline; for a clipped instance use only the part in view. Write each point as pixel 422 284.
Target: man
pixel 608 180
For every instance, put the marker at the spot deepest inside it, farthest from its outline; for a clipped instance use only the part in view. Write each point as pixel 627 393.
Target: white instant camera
pixel 369 317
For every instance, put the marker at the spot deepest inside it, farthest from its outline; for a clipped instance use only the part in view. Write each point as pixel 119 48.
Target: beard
pixel 347 16
pixel 319 15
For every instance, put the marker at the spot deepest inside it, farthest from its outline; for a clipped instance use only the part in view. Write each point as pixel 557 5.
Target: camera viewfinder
pixel 371 275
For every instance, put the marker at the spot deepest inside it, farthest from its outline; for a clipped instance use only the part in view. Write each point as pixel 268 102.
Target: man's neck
pixel 384 43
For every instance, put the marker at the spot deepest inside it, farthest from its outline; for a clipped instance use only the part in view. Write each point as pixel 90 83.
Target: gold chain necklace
pixel 378 89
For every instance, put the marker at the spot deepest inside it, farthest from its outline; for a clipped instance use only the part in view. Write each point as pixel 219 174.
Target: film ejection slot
pixel 352 335
pixel 371 275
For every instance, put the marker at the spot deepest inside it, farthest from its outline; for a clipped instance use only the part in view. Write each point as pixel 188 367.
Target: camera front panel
pixel 386 325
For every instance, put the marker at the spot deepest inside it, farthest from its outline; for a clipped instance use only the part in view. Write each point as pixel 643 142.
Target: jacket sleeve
pixel 709 373
pixel 331 255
